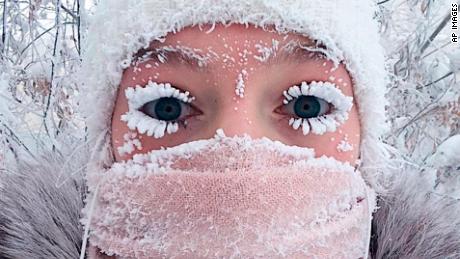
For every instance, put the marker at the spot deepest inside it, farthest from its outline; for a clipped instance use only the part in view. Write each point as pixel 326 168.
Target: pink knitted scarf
pixel 257 200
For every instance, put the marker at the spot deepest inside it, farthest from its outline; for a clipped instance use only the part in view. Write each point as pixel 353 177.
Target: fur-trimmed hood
pixel 42 201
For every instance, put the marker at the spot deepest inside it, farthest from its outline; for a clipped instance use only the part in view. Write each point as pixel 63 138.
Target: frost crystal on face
pixel 265 52
pixel 219 134
pixel 239 90
pixel 344 146
pixel 144 124
pixel 130 144
pixel 328 92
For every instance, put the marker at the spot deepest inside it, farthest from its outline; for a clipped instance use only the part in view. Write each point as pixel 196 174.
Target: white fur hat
pixel 346 27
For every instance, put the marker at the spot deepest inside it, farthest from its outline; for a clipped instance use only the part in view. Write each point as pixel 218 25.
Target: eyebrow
pixel 192 58
pixel 294 52
pixel 299 52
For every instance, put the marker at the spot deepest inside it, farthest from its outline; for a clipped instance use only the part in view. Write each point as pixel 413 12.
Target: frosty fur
pixel 39 219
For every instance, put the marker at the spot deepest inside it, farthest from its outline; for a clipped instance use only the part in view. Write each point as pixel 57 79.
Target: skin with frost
pixel 231 50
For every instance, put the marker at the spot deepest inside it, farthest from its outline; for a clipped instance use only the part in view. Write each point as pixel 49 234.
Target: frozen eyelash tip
pixel 297 123
pixel 176 93
pixel 160 130
pixel 162 91
pixel 150 131
pixel 288 97
pixel 329 123
pixel 294 91
pixel 143 126
pixel 172 127
pixel 317 127
pixel 176 127
pixel 305 127
pixel 304 88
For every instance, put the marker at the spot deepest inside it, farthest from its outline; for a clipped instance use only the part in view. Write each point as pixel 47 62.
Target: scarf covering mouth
pixel 231 198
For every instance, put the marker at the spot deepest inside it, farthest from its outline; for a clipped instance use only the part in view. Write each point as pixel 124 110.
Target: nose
pixel 241 119
pixel 239 127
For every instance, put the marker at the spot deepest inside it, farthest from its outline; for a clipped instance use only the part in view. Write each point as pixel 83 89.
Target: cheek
pixel 343 144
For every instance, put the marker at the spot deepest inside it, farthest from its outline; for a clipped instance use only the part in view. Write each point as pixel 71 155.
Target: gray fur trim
pixel 414 222
pixel 40 220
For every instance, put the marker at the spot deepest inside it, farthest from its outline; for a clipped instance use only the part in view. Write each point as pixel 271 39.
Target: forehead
pixel 235 34
pixel 235 44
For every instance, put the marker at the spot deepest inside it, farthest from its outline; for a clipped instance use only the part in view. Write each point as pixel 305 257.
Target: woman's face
pixel 215 67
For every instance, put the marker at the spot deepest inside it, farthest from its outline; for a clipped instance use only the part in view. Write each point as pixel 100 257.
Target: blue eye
pixel 307 106
pixel 165 108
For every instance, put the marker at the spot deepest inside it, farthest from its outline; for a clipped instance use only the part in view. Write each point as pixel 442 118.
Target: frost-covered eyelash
pixel 330 93
pixel 138 96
